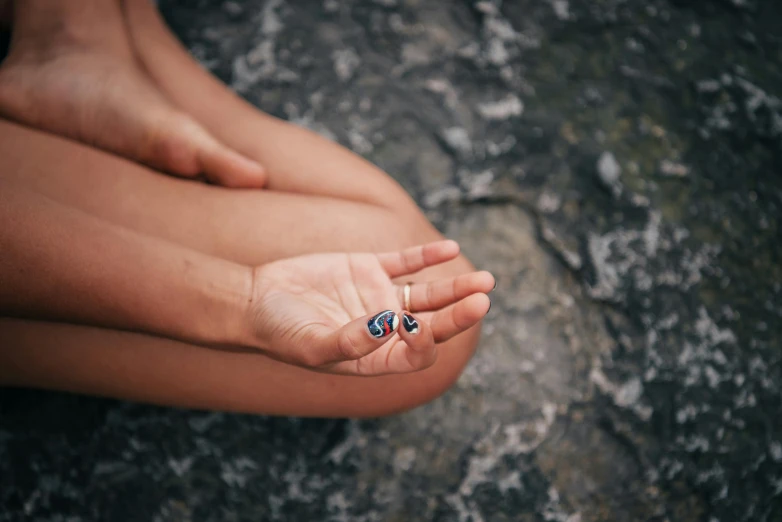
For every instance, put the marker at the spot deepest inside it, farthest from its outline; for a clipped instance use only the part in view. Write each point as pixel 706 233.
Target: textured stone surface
pixel 618 166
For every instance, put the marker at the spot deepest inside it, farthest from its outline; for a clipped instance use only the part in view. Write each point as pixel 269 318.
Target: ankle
pixel 46 25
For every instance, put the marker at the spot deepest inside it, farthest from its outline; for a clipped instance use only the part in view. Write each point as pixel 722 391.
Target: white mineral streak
pixel 443 87
pixel 237 473
pixel 500 443
pixel 346 61
pixel 260 62
pixel 511 440
pixel 502 109
pixel 608 168
pixel 561 9
pixel 553 510
pixel 626 395
pixel 671 168
pixel 458 139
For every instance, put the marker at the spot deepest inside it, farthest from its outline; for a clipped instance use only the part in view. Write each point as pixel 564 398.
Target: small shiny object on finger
pixel 406 296
pixel 411 325
pixel 383 324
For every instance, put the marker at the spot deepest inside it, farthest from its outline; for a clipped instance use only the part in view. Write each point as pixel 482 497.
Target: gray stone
pixel 630 365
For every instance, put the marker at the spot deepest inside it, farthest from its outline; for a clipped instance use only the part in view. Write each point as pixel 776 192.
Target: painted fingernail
pixel 493 288
pixel 410 324
pixel 489 310
pixel 382 324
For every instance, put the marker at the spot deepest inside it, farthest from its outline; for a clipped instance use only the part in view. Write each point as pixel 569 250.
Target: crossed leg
pixel 321 198
pixel 296 160
pixel 249 226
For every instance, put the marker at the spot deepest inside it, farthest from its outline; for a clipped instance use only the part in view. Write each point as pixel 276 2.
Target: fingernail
pixel 489 310
pixel 411 325
pixel 382 324
pixel 495 286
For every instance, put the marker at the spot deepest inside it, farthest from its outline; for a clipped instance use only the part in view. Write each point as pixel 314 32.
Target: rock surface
pixel 617 165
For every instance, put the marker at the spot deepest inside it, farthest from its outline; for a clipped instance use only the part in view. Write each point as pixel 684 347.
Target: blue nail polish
pixel 383 324
pixel 411 325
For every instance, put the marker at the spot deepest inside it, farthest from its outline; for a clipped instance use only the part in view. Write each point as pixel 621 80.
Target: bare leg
pixel 247 226
pixel 150 369
pixel 250 226
pixel 296 160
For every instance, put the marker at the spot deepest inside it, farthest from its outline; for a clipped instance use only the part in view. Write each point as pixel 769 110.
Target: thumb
pixel 362 336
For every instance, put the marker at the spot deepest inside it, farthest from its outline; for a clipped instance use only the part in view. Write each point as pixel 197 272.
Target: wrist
pixel 216 314
pixel 246 333
pixel 232 326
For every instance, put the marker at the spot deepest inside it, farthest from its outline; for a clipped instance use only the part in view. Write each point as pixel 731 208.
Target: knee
pixel 405 392
pixel 401 393
pixel 410 227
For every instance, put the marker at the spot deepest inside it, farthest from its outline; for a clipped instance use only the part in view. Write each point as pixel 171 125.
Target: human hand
pixel 340 313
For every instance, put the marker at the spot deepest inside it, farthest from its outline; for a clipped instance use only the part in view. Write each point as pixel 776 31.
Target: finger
pixel 459 317
pixel 414 349
pixel 434 295
pixel 418 350
pixel 417 258
pixel 360 337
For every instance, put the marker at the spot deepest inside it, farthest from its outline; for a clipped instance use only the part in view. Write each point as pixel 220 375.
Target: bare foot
pixel 276 144
pixel 84 84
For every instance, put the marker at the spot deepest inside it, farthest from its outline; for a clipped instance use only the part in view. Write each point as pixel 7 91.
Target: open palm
pixel 314 310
